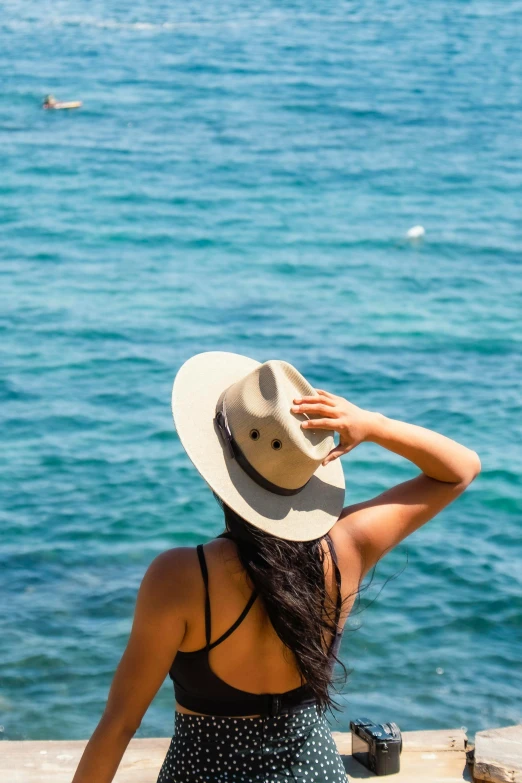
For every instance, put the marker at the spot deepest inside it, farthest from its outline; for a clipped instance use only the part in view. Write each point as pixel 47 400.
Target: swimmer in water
pixel 50 102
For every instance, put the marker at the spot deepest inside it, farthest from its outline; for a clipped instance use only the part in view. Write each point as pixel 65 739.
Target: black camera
pixel 376 746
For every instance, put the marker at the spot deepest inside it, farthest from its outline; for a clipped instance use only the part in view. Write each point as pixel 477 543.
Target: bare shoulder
pixel 171 577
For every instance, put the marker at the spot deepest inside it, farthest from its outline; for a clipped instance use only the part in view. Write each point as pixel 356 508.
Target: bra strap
pixel 204 573
pixel 238 621
pixel 228 534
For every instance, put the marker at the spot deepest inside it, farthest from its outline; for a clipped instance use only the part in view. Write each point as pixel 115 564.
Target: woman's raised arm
pixel 377 525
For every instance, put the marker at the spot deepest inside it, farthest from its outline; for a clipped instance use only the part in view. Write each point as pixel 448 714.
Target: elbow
pixel 120 724
pixel 475 467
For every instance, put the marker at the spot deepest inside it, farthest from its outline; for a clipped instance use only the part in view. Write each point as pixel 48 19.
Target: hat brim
pixel 306 516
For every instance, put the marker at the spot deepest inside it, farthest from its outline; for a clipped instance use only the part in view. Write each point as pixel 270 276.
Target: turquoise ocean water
pixel 241 177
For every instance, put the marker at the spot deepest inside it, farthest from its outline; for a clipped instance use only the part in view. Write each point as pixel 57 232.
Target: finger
pixel 338 451
pixel 318 424
pixel 314 407
pixel 335 453
pixel 314 398
pixel 326 393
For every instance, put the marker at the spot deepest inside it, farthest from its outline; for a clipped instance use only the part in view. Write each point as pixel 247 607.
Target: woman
pixel 248 626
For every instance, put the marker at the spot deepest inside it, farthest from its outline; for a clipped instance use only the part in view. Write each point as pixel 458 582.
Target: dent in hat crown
pixel 268 433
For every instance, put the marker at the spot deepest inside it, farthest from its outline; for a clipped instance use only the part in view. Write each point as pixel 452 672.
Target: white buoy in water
pixel 415 232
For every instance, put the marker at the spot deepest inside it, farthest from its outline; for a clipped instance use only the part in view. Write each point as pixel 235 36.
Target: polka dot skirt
pixel 296 746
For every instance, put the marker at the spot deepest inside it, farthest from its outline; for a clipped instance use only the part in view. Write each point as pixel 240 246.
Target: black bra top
pixel 197 688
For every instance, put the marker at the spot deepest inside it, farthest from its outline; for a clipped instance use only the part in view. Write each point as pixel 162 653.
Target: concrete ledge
pixel 427 757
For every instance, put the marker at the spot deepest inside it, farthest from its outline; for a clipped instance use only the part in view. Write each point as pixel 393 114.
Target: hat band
pixel 236 453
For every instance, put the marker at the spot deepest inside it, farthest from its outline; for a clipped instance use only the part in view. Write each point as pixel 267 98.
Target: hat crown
pixel 268 433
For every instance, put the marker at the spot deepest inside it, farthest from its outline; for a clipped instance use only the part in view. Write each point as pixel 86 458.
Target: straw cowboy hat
pixel 233 417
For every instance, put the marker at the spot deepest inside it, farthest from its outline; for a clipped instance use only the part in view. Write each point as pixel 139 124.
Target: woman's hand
pixel 353 424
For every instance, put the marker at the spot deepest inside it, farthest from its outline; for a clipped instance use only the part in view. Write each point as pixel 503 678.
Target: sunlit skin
pixel 169 608
pixel 353 424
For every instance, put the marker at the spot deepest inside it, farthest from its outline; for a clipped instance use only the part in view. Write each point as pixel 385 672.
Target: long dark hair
pixel 289 577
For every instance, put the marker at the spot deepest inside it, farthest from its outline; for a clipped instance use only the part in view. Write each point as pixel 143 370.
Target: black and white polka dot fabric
pixel 295 746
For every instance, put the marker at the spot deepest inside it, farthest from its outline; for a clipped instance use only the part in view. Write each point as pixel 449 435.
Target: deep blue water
pixel 242 177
